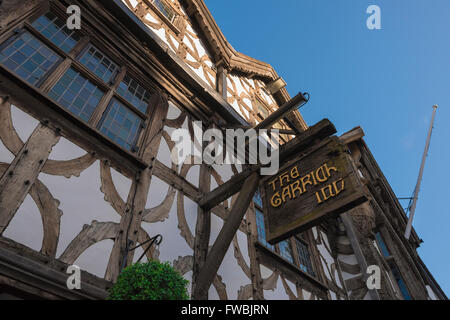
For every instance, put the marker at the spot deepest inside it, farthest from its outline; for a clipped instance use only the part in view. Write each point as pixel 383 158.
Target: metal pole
pixel 419 179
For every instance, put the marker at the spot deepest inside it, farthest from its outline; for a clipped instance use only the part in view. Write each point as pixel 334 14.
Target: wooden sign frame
pixel 321 182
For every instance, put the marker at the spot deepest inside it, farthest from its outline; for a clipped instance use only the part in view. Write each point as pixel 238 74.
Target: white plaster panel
pixel 23 123
pixel 95 258
pixel 26 226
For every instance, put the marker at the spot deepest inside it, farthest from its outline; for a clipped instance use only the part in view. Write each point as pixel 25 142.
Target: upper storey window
pixel 28 57
pixel 81 76
pixel 77 94
pixel 301 257
pixel 262 110
pixel 134 93
pixel 165 9
pixel 121 125
pixel 54 29
pixel 99 64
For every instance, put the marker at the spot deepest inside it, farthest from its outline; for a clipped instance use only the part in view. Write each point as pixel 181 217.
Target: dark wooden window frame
pixel 70 60
pixel 155 9
pixel 391 259
pixel 295 257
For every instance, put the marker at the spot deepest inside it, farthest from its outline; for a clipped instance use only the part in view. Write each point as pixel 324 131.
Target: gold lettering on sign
pixel 322 178
pixel 289 185
pixel 296 187
pixel 286 193
pixel 294 173
pixel 329 169
pixel 276 200
pixel 333 191
pixel 284 177
pixel 306 180
pixel 272 183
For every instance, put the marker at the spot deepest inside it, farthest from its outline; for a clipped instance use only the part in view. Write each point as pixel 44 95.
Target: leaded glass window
pixel 55 29
pixel 400 282
pixel 165 9
pixel 304 257
pixel 77 94
pixel 29 58
pixel 134 93
pixel 99 64
pixel 257 199
pixel 121 125
pixel 286 250
pixel 382 244
pixel 261 229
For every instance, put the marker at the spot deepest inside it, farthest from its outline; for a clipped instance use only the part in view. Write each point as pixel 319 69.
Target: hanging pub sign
pixel 317 184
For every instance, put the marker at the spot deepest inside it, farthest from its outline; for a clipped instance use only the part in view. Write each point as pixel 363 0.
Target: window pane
pixel 286 250
pixel 77 94
pixel 304 257
pixel 262 110
pixel 29 58
pixel 165 9
pixel 99 64
pixel 384 249
pixel 53 28
pixel 400 282
pixel 134 93
pixel 121 125
pixel 261 230
pixel 257 199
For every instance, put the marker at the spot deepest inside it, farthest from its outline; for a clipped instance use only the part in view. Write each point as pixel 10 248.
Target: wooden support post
pixel 222 243
pixel 137 198
pixel 351 233
pixel 255 269
pixel 23 172
pixel 221 81
pixel 306 138
pixel 202 229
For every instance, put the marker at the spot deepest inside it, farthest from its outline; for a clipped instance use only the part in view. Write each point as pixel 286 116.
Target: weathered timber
pixel 277 115
pixel 23 172
pixel 43 276
pixel 311 187
pixel 223 240
pixel 351 233
pixel 137 198
pixel 203 227
pixel 255 270
pixel 319 131
pixel 291 272
pixel 76 130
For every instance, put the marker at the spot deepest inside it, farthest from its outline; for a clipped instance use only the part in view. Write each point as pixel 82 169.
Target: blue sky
pixel 384 80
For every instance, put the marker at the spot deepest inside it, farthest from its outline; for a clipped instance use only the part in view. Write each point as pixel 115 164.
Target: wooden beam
pixel 319 131
pixel 202 229
pixel 223 240
pixel 21 174
pixel 352 135
pixel 79 132
pixel 286 108
pixel 221 81
pixel 255 269
pixel 351 233
pixel 137 198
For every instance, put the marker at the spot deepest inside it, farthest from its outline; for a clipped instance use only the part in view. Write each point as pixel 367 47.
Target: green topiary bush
pixel 149 281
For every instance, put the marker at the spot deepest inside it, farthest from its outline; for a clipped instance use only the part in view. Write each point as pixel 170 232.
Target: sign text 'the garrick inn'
pixel 318 183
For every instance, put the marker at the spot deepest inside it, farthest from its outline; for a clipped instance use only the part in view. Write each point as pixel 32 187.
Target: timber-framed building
pixel 85 123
